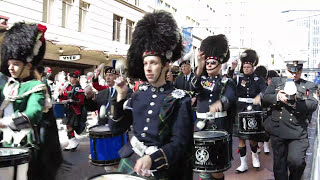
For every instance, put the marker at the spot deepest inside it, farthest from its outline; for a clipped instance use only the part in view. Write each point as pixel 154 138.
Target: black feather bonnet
pixel 156 34
pixel 24 42
pixel 249 56
pixel 216 47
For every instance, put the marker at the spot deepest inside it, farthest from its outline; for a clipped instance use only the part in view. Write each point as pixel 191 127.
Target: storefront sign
pixel 70 57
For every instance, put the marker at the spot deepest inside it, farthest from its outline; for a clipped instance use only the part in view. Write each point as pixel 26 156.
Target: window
pixel 129 29
pixel 187 18
pixel 48 9
pixel 116 27
pixel 83 10
pixel 159 2
pixel 66 9
pixel 167 5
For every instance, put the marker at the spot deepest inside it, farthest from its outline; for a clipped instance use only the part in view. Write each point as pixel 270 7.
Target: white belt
pixel 209 115
pixel 246 100
pixel 139 148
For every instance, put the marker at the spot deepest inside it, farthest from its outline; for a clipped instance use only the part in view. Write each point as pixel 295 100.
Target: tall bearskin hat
pixel 25 42
pixel 249 56
pixel 156 34
pixel 216 47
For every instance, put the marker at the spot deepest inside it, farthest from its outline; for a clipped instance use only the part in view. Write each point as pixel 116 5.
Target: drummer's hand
pixel 201 59
pixel 121 87
pixel 216 107
pixel 281 96
pixel 2 125
pixel 143 165
pixel 234 64
pixel 257 100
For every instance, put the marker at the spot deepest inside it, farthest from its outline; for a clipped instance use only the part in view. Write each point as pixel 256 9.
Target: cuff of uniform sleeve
pixel 195 79
pixel 159 160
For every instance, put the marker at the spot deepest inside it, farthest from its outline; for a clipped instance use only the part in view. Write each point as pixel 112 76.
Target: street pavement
pixel 81 169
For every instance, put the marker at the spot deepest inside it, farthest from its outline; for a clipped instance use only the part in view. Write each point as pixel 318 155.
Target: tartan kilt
pixel 126 166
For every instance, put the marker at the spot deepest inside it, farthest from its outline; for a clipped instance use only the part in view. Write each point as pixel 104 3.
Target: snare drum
pixel 251 122
pixel 104 147
pixel 212 151
pixel 59 110
pixel 115 176
pixel 14 163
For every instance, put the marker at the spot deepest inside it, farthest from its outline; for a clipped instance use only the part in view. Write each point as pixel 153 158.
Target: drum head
pixel 100 130
pixel 210 134
pixel 6 152
pixel 116 177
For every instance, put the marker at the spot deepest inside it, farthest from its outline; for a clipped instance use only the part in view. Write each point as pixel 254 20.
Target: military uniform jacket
pixel 289 122
pixel 171 133
pixel 180 82
pixel 249 87
pixel 212 89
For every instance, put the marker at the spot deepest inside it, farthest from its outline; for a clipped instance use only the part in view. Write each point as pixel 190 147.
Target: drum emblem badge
pixel 202 155
pixel 252 123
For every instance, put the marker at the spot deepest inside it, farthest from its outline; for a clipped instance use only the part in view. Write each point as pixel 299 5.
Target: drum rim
pixel 106 162
pixel 16 159
pixel 95 176
pixel 215 171
pixel 220 137
pixel 250 112
pixel 99 133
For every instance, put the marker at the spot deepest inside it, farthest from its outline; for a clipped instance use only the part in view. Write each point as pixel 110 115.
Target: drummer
pixel 161 116
pixel 249 88
pixel 22 111
pixel 73 96
pixel 216 93
pixel 102 101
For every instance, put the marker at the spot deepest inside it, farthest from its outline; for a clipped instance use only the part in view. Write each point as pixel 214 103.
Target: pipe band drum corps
pixel 104 146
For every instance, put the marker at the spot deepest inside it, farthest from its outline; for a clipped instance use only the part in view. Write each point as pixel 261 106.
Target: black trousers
pixel 289 154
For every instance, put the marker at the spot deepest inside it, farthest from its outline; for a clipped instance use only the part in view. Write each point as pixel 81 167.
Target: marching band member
pixel 73 96
pixel 249 88
pixel 161 115
pixel 26 100
pixel 215 93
